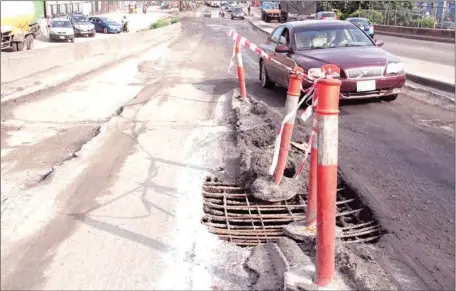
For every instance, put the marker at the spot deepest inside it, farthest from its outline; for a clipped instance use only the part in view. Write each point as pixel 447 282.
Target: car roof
pixel 360 18
pixel 317 23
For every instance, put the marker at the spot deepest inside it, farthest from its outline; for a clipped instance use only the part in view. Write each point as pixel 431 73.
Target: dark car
pixel 81 25
pixel 363 24
pixel 445 25
pixel 237 13
pixel 366 69
pixel 106 25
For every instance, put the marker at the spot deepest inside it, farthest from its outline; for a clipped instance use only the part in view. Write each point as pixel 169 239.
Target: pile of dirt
pixel 256 128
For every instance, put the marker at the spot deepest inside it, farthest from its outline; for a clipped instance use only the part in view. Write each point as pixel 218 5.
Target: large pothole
pixel 234 215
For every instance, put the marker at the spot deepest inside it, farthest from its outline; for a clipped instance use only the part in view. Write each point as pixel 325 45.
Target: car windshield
pixel 237 9
pixel 80 18
pixel 268 6
pixel 330 37
pixel 359 21
pixel 60 23
pixel 328 14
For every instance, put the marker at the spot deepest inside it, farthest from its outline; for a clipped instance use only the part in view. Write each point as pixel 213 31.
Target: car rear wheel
pixel 389 98
pixel 265 81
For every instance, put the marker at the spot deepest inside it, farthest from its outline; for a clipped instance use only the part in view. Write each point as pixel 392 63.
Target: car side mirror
pixel 282 49
pixel 379 43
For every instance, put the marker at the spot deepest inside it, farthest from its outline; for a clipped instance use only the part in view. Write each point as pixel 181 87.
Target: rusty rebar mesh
pixel 236 216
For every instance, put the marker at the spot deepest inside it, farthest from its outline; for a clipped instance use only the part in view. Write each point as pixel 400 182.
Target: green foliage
pixel 427 22
pixel 374 16
pixel 159 23
pixel 174 20
pixel 355 13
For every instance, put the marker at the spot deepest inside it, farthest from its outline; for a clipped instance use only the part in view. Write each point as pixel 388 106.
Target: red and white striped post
pixel 294 91
pixel 327 122
pixel 311 212
pixel 240 70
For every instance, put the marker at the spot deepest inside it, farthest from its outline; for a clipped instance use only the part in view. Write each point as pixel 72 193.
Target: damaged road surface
pixel 131 178
pixel 101 179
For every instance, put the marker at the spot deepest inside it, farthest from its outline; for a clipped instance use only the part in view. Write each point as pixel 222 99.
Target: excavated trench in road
pixel 235 215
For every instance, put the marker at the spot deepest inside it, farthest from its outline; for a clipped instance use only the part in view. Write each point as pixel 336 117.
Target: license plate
pixel 62 37
pixel 363 86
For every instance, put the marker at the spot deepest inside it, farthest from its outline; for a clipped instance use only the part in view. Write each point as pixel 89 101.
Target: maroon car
pixel 366 69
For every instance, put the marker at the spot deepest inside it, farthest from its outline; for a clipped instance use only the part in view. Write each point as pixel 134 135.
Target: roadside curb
pixel 67 81
pixel 440 85
pixel 257 27
pixel 418 37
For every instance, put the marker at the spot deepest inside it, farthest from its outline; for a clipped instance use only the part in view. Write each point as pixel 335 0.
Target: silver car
pixel 61 30
pixel 237 13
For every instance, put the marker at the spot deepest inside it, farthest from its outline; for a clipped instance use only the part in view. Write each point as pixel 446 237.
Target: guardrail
pixel 441 35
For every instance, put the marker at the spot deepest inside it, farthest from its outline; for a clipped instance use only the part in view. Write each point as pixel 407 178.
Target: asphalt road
pixel 167 111
pixel 403 153
pixel 430 51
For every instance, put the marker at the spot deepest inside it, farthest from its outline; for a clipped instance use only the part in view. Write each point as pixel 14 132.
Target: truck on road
pixel 20 23
pixel 297 10
pixel 269 11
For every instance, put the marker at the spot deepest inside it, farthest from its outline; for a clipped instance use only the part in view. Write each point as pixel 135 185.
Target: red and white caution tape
pixel 275 157
pixel 306 155
pixel 253 47
pixel 232 58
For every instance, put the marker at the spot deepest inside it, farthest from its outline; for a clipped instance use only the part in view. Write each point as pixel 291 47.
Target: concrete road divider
pixel 441 35
pixel 22 64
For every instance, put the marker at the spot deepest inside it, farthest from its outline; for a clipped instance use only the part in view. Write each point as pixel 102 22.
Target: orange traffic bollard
pixel 311 212
pixel 294 91
pixel 328 123
pixel 240 70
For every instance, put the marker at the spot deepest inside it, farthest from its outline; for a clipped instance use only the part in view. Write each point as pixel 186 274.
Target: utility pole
pixel 180 5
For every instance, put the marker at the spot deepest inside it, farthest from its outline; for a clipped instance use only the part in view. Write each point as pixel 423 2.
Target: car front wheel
pixel 389 98
pixel 265 81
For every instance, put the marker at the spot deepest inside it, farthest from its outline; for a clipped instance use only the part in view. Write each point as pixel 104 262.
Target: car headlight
pixel 394 68
pixel 91 26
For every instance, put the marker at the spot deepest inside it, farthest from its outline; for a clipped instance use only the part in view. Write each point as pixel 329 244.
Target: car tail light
pixel 322 18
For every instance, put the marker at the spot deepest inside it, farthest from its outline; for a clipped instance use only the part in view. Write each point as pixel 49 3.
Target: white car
pixel 326 15
pixel 61 29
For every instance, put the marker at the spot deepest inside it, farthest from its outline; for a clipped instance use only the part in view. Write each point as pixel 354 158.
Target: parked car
pixel 326 15
pixel 165 5
pixel 366 69
pixel 445 25
pixel 231 6
pixel 106 25
pixel 81 25
pixel 207 12
pixel 61 29
pixel 363 24
pixel 237 13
